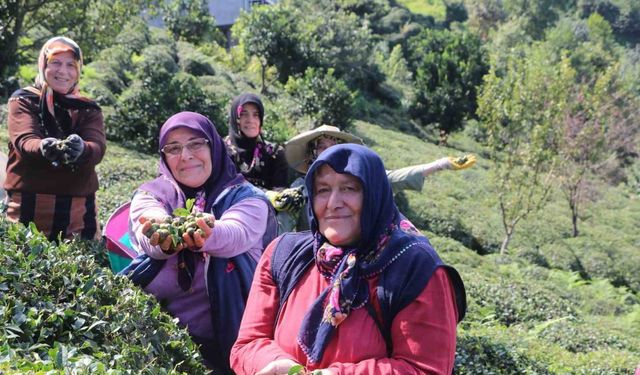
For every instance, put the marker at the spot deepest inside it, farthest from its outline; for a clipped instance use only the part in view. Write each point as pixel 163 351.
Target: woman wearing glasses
pixel 204 281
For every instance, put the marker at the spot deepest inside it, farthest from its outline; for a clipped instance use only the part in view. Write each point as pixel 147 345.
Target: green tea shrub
pixel 482 355
pixel 119 177
pixel 580 338
pixel 533 256
pixel 515 302
pixel 62 312
pixel 562 257
pixel 193 61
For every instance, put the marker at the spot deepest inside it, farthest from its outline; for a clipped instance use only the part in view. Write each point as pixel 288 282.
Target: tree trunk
pixel 505 242
pixel 574 197
pixel 9 45
pixel 263 73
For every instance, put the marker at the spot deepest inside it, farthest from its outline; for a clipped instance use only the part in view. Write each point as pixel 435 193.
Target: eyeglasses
pixel 175 149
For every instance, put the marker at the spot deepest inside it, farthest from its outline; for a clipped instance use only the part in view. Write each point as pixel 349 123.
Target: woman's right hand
pixel 166 244
pixel 278 367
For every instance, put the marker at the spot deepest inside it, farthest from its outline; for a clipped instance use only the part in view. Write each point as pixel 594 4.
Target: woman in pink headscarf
pixel 56 139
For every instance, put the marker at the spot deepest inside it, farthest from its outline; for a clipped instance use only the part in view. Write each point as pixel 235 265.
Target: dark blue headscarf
pixel 378 207
pixel 381 243
pixel 245 146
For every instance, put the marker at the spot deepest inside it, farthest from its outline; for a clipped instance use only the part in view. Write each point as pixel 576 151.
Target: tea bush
pixel 477 354
pixel 580 338
pixel 514 302
pixel 61 311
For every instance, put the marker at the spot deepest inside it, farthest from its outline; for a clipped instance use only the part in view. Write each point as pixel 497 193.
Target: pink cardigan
pixel 423 334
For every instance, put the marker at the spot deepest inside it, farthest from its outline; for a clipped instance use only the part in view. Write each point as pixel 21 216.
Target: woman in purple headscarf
pixel 362 292
pixel 205 282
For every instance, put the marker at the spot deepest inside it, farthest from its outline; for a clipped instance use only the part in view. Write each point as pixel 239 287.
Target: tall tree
pixel 270 34
pixel 448 69
pixel 519 111
pixel 26 24
pixel 190 20
pixel 12 23
pixel 294 35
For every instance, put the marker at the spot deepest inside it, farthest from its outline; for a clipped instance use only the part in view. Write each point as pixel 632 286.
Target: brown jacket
pixel 29 171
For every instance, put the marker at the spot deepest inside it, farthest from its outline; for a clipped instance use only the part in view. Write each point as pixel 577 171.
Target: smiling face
pixel 61 72
pixel 337 205
pixel 249 120
pixel 190 168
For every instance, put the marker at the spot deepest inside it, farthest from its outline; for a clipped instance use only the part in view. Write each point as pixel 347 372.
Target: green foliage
pixel 119 177
pixel 448 67
pixel 297 34
pixel 476 354
pixel 536 15
pixel 193 61
pixel 434 8
pixel 580 338
pixel 160 91
pixel 514 303
pixel 520 110
pixel 398 75
pixel 321 98
pixel 60 311
pixel 190 20
pixel 271 34
pixel 623 16
pixel 485 15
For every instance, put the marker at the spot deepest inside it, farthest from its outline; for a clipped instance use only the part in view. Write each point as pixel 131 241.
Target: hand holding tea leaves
pixel 185 229
pixel 462 162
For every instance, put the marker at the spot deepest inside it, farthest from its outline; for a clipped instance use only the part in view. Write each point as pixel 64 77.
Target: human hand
pixel 153 228
pixel 75 147
pixel 195 238
pixel 279 367
pixel 462 162
pixel 49 149
pixel 290 200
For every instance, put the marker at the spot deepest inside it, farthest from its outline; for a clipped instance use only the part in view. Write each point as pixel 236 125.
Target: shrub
pixel 160 91
pixel 193 61
pixel 481 355
pixel 61 311
pixel 583 338
pixel 513 302
pixel 321 98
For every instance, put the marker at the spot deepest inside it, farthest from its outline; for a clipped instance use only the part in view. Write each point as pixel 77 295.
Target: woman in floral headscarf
pixel 363 292
pixel 56 138
pixel 262 163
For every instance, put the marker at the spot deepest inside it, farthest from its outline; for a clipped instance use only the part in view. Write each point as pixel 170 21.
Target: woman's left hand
pixel 198 238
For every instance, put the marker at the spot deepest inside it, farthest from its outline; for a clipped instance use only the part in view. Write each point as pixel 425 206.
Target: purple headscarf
pixel 223 171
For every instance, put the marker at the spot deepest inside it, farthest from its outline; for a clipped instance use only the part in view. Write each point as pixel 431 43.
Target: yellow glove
pixel 290 200
pixel 272 195
pixel 462 162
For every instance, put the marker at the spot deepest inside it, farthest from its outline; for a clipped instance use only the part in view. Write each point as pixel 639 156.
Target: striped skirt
pixel 55 215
